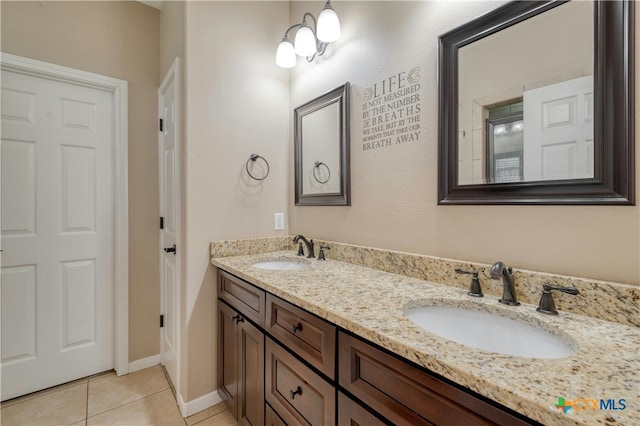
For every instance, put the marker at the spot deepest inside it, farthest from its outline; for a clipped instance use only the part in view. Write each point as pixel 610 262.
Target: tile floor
pixel 145 397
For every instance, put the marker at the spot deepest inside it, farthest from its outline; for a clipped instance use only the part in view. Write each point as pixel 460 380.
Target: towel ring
pixel 318 164
pixel 254 157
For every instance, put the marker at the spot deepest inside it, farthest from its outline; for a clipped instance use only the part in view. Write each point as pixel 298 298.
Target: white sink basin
pixel 489 332
pixel 280 265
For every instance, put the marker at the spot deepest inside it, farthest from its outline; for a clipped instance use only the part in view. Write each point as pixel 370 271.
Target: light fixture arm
pixel 320 45
pixel 286 33
pixel 315 24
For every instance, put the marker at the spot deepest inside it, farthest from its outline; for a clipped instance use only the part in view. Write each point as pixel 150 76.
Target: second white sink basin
pixel 279 265
pixel 489 332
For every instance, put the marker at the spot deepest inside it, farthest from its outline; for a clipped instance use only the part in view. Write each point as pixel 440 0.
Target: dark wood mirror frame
pixel 614 178
pixel 342 198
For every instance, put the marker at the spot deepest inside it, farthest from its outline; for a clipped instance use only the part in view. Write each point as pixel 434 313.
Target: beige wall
pixel 117 39
pixel 237 103
pixel 172 34
pixel 394 189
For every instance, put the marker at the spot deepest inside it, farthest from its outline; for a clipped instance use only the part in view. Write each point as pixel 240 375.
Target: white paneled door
pixel 169 167
pixel 57 232
pixel 558 131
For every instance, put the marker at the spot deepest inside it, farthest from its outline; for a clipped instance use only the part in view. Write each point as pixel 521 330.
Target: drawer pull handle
pixel 296 327
pixel 293 393
pixel 237 319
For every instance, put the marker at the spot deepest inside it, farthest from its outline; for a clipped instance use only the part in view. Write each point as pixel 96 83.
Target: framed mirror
pixel 536 103
pixel 321 143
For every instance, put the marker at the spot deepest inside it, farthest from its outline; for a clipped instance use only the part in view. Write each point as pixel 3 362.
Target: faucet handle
pixel 464 271
pixel 547 305
pixel 321 252
pixel 569 290
pixel 474 288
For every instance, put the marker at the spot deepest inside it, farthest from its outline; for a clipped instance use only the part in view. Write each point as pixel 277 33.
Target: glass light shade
pixel 305 41
pixel 328 25
pixel 286 55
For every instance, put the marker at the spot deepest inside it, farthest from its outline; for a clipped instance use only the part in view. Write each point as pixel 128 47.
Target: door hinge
pixel 161 124
pixel 161 222
pixel 161 321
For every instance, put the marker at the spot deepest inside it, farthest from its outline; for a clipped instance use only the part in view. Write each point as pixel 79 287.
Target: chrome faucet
pixel 309 244
pixel 509 289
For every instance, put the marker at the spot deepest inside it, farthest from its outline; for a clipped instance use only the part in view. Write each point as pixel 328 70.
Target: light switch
pixel 279 219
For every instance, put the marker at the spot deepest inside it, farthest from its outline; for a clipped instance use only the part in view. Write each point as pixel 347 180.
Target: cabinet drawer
pixel 311 337
pixel 296 393
pixel 271 418
pixel 407 395
pixel 247 299
pixel 352 414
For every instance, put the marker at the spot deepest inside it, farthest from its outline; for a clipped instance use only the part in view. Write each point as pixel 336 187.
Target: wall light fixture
pixel 309 41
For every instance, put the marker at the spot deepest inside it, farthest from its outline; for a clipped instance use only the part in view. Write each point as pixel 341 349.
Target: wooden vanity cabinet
pixel 281 365
pixel 407 395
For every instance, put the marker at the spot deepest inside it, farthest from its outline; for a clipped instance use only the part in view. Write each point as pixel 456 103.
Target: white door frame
pixel 173 75
pixel 118 87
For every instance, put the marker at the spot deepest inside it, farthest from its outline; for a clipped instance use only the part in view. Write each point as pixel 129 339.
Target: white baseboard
pixel 192 407
pixel 141 364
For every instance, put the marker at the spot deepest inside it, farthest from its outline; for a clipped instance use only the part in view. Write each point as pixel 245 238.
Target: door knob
pixel 171 249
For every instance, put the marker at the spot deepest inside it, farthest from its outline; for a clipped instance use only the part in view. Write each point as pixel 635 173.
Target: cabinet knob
pixel 296 327
pixel 293 393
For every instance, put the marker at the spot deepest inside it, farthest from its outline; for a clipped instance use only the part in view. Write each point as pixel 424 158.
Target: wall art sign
pixel 391 111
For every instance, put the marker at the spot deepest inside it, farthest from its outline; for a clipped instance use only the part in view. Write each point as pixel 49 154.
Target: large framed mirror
pixel 537 105
pixel 321 144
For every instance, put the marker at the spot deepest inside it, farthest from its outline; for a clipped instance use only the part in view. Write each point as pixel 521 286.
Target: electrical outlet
pixel 279 221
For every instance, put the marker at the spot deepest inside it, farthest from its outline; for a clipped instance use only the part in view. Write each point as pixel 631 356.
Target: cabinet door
pixel 251 371
pixel 240 366
pixel 228 357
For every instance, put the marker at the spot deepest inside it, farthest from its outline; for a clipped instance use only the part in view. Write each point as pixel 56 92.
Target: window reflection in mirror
pixel 504 133
pixel 544 67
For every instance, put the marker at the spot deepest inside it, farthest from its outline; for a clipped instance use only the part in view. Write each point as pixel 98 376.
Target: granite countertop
pixel 370 303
